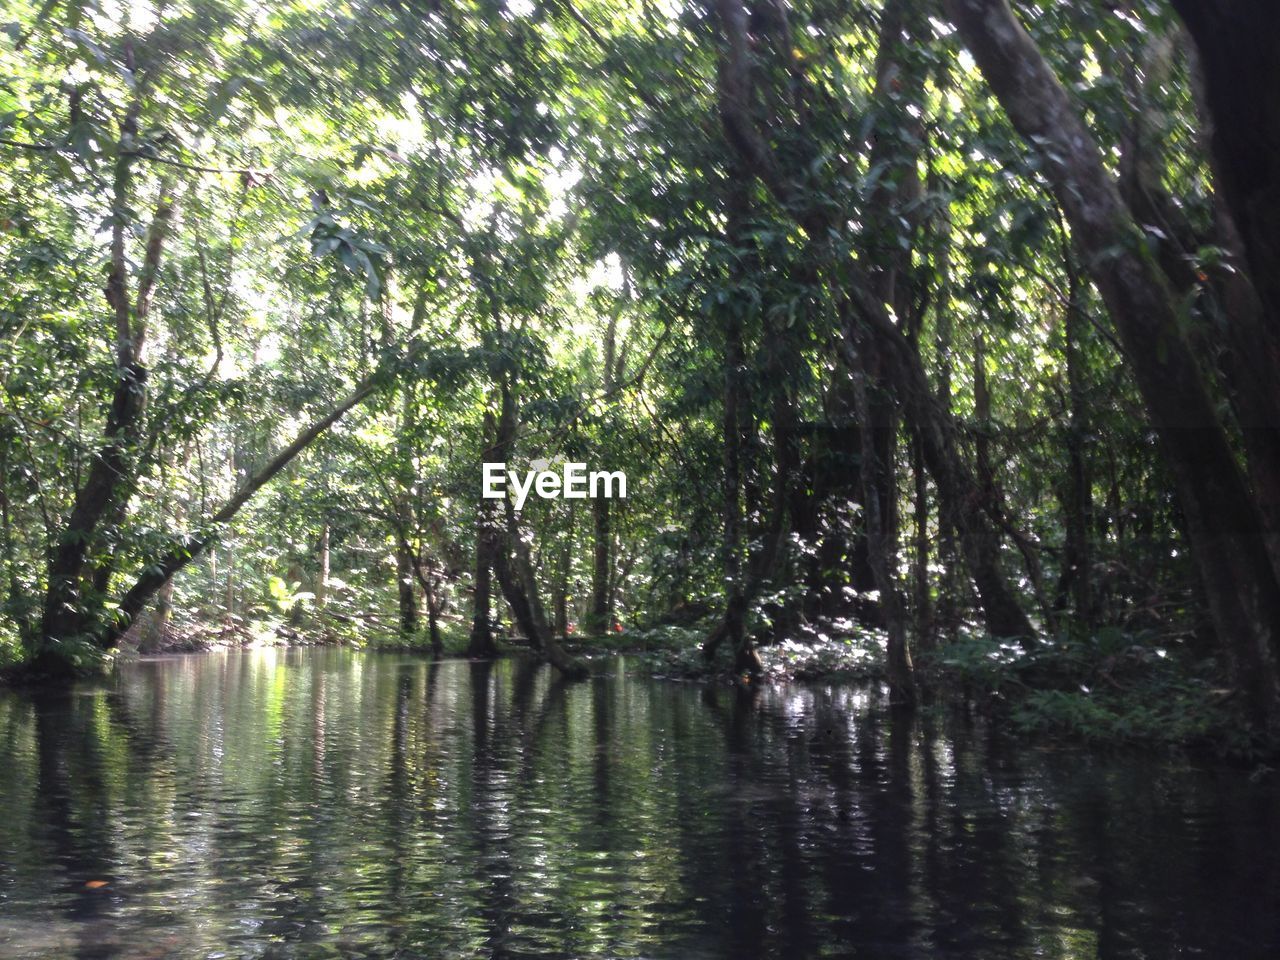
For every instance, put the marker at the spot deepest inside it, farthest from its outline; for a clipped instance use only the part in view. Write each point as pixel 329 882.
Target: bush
pixel 1111 686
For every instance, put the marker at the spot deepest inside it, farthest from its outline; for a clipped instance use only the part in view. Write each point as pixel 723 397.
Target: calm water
pixel 326 803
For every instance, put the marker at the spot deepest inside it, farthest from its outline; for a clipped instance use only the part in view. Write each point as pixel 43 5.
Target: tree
pixel 1222 518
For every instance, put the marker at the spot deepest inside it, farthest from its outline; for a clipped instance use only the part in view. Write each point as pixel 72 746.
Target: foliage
pixel 538 218
pixel 1111 686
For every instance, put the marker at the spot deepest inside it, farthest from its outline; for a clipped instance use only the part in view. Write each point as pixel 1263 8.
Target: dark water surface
pixel 328 803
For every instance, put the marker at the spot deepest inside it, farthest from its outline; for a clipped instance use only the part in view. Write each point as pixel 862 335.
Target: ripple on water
pixel 323 803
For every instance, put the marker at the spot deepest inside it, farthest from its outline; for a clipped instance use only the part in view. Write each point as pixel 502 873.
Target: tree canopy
pixel 942 331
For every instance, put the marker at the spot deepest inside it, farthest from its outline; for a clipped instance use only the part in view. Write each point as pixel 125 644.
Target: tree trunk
pixel 229 593
pixel 514 572
pixel 883 553
pixel 407 555
pixel 1077 576
pixel 433 613
pixel 989 487
pixel 600 616
pixel 481 645
pixel 514 567
pixel 16 604
pixel 193 545
pixel 213 574
pixel 112 474
pixel 1240 60
pixel 947 611
pixel 959 492
pixel 959 499
pixel 157 627
pixel 849 541
pixel 892 221
pixel 1222 520
pixel 982 418
pixel 560 598
pixel 1238 333
pixel 322 574
pixel 732 628
pixel 925 635
pixel 407 596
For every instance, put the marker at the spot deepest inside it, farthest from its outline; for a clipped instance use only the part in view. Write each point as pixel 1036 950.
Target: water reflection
pixel 326 803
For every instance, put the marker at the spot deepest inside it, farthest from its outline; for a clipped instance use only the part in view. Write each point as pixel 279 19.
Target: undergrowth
pixel 1108 687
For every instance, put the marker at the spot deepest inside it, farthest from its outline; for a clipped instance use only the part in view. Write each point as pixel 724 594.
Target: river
pixel 329 803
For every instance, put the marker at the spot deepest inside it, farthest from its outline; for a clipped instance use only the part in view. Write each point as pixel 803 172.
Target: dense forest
pixel 938 340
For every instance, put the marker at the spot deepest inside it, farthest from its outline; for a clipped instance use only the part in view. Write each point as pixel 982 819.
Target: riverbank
pixel 1110 689
pixel 1114 688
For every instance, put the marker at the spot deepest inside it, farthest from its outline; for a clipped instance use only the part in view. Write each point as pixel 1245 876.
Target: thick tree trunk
pixel 1240 60
pixel 112 474
pixel 1222 520
pixel 1239 333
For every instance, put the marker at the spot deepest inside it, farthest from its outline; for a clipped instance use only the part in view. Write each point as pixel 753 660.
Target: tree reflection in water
pixel 316 803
